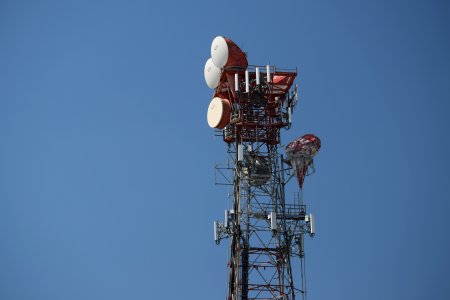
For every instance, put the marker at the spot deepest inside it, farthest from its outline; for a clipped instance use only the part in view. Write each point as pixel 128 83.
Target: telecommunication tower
pixel 250 106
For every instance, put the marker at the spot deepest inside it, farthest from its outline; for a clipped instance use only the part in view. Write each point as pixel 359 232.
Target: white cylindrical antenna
pixel 216 235
pixel 240 152
pixel 312 228
pixel 273 220
pixel 268 73
pixel 236 82
pixel 289 115
pixel 257 75
pixel 247 84
pixel 225 222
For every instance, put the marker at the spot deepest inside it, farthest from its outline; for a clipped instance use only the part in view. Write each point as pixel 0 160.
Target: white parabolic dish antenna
pixel 219 51
pixel 219 111
pixel 212 74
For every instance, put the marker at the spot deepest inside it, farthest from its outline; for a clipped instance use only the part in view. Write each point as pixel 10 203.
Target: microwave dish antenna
pixel 219 111
pixel 225 53
pixel 212 74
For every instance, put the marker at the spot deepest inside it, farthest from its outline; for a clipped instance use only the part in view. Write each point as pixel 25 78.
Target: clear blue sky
pixel 106 159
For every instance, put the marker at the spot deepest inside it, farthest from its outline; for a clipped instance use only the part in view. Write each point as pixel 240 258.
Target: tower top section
pixel 250 103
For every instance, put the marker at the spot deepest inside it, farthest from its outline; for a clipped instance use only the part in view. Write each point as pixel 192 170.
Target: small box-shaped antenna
pixel 301 242
pixel 216 232
pixel 273 221
pixel 312 228
pixel 240 150
pixel 225 221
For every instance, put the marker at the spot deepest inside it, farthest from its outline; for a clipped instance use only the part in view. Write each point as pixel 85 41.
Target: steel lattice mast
pixel 266 230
